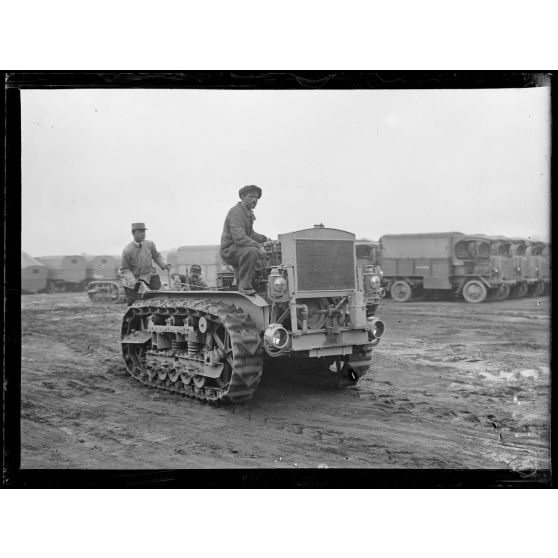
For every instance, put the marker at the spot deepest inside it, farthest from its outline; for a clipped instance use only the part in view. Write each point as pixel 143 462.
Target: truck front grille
pixel 325 264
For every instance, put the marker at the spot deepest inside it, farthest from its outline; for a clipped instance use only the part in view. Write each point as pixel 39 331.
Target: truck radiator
pixel 325 264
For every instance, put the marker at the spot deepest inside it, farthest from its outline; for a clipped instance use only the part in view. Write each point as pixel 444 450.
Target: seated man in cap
pixel 240 245
pixel 137 264
pixel 194 280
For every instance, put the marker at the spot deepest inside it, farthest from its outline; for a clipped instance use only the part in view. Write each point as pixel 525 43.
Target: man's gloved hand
pixel 263 251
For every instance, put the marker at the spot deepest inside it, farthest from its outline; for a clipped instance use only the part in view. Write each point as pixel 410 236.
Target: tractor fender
pixel 255 306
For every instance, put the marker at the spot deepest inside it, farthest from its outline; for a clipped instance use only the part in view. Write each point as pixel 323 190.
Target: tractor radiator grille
pixel 325 264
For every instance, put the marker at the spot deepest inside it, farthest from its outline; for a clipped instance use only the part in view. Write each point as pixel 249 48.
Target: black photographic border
pixel 15 477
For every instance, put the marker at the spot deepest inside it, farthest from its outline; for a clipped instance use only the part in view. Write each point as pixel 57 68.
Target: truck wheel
pixel 521 290
pixel 474 291
pixel 502 292
pixel 539 288
pixel 56 286
pixel 401 291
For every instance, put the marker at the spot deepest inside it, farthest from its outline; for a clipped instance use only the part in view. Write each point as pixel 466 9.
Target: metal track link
pixel 245 342
pixel 106 291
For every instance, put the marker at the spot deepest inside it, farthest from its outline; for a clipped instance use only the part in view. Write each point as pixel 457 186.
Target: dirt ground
pixel 452 385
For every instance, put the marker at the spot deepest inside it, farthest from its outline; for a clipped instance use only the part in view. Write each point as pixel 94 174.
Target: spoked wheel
pixel 134 353
pixel 222 339
pixel 474 291
pixel 401 291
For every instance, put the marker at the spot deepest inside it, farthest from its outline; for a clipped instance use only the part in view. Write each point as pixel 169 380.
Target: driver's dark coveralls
pixel 240 243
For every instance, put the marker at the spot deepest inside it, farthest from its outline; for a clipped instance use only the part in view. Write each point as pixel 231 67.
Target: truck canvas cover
pixel 418 246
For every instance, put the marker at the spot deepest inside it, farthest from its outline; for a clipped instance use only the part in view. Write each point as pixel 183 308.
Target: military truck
pixel 531 266
pixel 65 273
pixel 450 262
pixel 540 265
pixel 501 263
pixel 213 345
pixel 33 274
pixel 519 258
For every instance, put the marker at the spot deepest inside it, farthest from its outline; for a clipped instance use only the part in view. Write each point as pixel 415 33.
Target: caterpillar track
pixel 105 291
pixel 206 349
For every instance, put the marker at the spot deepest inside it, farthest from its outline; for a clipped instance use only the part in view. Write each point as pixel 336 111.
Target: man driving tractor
pixel 241 246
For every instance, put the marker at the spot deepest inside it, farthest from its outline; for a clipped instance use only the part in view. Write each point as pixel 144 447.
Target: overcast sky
pixel 370 162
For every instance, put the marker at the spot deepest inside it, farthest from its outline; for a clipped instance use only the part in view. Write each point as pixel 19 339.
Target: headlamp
pixel 279 285
pixel 376 328
pixel 276 337
pixel 279 338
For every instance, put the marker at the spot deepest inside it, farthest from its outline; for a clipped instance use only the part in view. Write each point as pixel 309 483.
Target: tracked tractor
pixel 213 345
pixel 105 290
